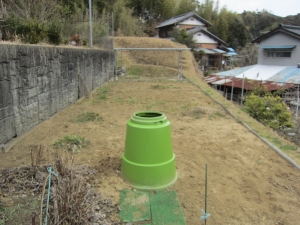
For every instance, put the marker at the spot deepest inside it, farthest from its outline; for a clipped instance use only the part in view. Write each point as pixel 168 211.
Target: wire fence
pixel 79 32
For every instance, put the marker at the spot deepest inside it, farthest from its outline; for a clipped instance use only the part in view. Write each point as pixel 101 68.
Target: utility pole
pixel 91 24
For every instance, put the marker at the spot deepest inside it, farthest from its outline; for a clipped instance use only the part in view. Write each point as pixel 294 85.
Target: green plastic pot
pixel 148 161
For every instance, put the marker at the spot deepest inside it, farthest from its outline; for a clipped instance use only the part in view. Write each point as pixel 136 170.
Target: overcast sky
pixel 277 7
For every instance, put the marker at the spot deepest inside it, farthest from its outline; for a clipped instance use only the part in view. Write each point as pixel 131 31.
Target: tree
pixel 249 53
pixel 206 9
pixel 269 109
pixel 182 37
pixel 40 10
pixel 168 9
pixel 238 34
pixel 185 6
pixel 125 23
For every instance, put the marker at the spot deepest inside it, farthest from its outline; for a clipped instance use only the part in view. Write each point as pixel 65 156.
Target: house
pixel 278 66
pixel 280 46
pixel 184 21
pixel 212 46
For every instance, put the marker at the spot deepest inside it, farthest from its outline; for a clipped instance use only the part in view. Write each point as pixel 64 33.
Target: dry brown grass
pixel 161 63
pixel 165 64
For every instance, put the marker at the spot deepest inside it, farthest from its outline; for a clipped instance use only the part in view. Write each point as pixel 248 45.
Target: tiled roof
pixel 177 19
pixel 293 31
pixel 200 29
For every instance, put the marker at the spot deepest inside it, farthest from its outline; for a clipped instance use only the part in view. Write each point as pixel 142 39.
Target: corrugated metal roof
pixel 278 47
pixel 248 84
pixel 182 17
pixel 207 51
pixel 218 50
pixel 275 77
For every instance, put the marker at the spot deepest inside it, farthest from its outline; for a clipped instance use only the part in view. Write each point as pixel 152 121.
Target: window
pixel 279 54
pixel 283 54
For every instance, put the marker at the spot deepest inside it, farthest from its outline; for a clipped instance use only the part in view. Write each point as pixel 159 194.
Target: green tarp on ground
pixel 160 207
pixel 166 209
pixel 134 206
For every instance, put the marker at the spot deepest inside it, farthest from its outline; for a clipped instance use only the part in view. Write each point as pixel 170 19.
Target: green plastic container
pixel 148 161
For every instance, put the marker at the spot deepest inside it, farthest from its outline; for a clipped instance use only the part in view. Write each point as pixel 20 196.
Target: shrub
pixel 72 143
pixel 270 110
pixel 53 32
pixel 31 30
pixel 87 116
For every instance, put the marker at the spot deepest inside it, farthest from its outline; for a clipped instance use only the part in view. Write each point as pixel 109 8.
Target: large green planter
pixel 148 161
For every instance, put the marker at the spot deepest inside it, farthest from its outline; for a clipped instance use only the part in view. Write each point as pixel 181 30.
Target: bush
pixel 31 31
pixel 182 37
pixel 53 32
pixel 270 110
pixel 73 143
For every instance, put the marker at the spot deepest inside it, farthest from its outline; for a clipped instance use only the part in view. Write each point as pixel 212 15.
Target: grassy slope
pixel 156 63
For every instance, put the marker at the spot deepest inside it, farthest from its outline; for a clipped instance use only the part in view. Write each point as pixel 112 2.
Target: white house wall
pixel 192 21
pixel 279 39
pixel 203 39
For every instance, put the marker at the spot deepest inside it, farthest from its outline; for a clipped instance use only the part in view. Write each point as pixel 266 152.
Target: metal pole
pixel 112 25
pixel 91 24
pixel 205 192
pixel 180 65
pixel 121 59
pixel 232 85
pixel 107 19
pixel 225 89
pixel 242 89
pixel 115 65
pixel 297 100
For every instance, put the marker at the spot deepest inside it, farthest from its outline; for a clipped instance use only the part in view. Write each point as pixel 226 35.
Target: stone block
pixel 5 94
pixel 6 111
pixel 7 129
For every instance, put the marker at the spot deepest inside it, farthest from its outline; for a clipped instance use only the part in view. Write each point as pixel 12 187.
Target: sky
pixel 281 8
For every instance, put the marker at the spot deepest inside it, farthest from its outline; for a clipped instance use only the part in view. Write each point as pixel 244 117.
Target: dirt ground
pixel 248 183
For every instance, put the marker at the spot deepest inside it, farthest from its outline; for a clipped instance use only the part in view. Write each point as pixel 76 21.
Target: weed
pixel 289 147
pixel 73 143
pixel 157 86
pixel 135 71
pixel 101 93
pixel 6 214
pixel 87 116
pixel 219 114
pixel 196 113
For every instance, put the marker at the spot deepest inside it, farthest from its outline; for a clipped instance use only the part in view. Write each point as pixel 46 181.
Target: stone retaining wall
pixel 36 82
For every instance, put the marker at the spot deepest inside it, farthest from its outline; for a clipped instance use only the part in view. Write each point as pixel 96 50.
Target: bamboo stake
pixel 205 192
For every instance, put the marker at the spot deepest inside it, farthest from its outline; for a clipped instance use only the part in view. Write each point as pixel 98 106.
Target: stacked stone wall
pixel 36 82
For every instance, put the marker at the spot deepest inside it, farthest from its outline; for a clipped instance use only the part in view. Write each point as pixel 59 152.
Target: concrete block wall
pixel 36 82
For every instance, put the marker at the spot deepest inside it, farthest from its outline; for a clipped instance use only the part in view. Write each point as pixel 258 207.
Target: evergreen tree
pixel 185 6
pixel 168 9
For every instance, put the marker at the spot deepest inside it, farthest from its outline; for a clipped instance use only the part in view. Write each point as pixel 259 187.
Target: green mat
pixel 166 209
pixel 135 206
